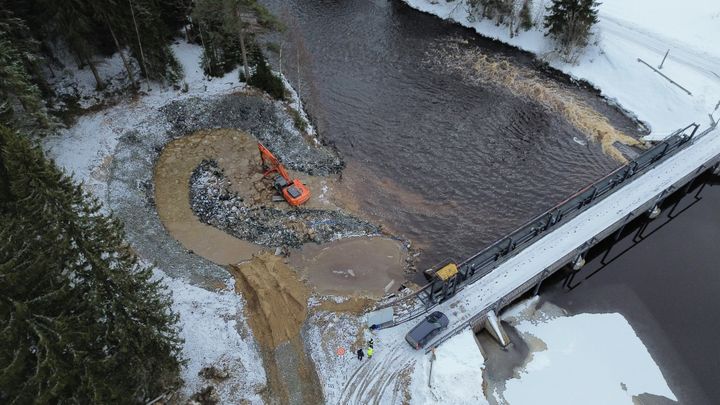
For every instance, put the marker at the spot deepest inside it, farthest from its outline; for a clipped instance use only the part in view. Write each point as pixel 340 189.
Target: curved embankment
pixel 172 189
pixel 359 265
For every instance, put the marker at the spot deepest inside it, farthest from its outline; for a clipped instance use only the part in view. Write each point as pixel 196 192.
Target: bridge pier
pixel 579 262
pixel 495 329
pixel 654 212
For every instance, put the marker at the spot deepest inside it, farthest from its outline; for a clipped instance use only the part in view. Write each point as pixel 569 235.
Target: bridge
pixel 496 276
pixel 472 292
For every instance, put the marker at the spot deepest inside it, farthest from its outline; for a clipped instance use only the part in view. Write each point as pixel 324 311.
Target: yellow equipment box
pixel 447 271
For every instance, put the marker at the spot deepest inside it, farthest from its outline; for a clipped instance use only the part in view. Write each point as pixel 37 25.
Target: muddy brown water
pixel 448 164
pixel 366 266
pixel 172 190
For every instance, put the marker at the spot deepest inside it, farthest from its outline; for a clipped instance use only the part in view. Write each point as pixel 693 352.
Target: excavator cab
pixel 293 191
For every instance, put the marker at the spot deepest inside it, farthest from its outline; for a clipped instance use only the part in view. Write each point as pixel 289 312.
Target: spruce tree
pixel 21 103
pixel 150 43
pixel 264 78
pixel 226 29
pixel 81 321
pixel 569 22
pixel 526 15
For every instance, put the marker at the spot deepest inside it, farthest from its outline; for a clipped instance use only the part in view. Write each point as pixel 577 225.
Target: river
pixel 447 164
pixel 452 166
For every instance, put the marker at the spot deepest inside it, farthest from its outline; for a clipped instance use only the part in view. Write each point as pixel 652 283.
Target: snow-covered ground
pixel 454 377
pixel 212 323
pixel 209 324
pixel 609 363
pixel 629 30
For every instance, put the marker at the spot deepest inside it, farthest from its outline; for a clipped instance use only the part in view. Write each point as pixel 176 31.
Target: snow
pixel 456 374
pixel 85 149
pixel 629 30
pixel 611 363
pixel 209 323
pixel 80 83
pixel 212 323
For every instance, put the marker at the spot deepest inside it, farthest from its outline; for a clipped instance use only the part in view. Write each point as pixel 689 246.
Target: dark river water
pixel 666 287
pixel 452 166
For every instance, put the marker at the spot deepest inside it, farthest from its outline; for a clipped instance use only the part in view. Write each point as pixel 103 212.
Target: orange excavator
pixel 294 191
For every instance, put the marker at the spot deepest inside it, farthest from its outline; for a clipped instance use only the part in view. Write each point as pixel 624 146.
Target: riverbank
pixel 625 33
pixel 116 152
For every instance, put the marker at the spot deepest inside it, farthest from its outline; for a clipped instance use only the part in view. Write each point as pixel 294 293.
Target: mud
pixel 227 192
pixel 276 310
pixel 355 266
pixel 131 198
pixel 176 163
pixel 276 298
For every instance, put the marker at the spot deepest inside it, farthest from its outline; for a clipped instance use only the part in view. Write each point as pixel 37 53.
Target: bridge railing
pixel 483 262
pixel 489 258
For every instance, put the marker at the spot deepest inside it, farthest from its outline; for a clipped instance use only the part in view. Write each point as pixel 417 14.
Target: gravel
pixel 268 121
pixel 214 203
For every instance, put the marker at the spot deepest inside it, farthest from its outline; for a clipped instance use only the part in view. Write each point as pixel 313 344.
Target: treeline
pixel 227 31
pixel 35 36
pixel 81 320
pixel 33 32
pixel 568 22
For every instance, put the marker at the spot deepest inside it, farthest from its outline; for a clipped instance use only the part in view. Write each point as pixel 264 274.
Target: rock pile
pixel 213 202
pixel 267 121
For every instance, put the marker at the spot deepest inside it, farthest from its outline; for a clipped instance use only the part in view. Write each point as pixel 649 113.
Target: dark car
pixel 427 329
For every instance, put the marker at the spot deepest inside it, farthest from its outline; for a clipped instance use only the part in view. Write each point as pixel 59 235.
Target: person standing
pixel 360 354
pixel 370 352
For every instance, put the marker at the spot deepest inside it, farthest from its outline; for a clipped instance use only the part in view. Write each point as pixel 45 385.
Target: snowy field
pixel 612 362
pixel 629 30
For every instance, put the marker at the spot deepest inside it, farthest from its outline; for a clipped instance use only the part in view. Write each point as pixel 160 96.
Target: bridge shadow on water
pixel 661 275
pixel 638 230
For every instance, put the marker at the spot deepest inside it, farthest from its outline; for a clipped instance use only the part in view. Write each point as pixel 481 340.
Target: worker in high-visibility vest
pixel 370 352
